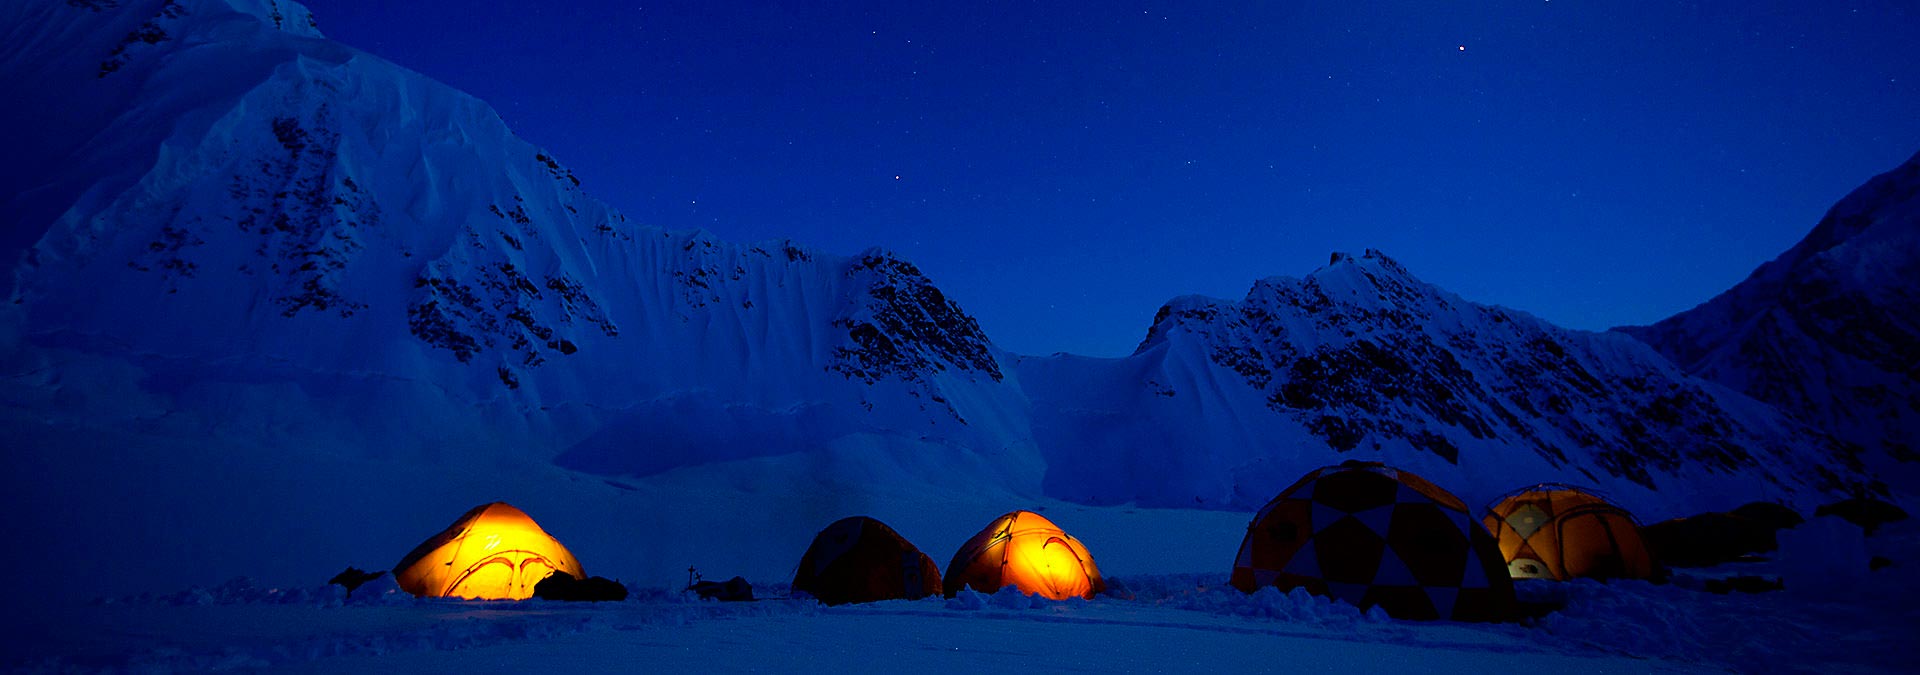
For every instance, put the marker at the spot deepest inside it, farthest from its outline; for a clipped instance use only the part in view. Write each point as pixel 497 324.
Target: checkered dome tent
pixel 1375 536
pixel 1553 531
pixel 860 559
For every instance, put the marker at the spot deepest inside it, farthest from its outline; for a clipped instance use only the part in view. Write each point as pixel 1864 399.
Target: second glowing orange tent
pixel 1029 552
pixel 493 552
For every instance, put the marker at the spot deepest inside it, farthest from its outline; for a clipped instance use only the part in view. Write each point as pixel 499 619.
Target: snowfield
pixel 1172 623
pixel 166 526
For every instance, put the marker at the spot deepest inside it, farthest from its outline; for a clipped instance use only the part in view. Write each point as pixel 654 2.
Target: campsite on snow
pixel 309 363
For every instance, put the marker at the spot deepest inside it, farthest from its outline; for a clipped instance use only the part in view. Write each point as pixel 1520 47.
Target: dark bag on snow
pixel 731 590
pixel 353 577
pixel 562 586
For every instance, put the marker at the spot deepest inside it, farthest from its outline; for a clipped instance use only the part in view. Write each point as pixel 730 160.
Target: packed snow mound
pixel 1225 402
pixel 252 223
pixel 1828 331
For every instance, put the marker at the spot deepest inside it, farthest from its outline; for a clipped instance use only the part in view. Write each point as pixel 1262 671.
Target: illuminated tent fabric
pixel 1552 531
pixel 1024 550
pixel 860 559
pixel 494 552
pixel 1375 536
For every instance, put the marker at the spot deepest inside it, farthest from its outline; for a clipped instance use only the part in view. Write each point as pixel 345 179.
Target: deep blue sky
pixel 1063 170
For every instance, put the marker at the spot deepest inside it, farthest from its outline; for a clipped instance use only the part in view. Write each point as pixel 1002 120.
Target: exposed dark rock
pixel 908 328
pixel 151 32
pixel 1772 514
pixel 1707 539
pixel 1866 512
pixel 502 306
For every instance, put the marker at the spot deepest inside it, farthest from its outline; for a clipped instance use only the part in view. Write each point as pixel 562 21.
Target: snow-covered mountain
pixel 281 232
pixel 1360 359
pixel 221 223
pixel 1830 330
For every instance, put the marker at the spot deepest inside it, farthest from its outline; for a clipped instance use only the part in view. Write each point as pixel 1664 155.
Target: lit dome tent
pixel 494 552
pixel 1375 536
pixel 1029 552
pixel 1554 531
pixel 860 559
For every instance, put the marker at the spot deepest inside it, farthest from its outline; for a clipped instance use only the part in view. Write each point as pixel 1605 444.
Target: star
pixel 1463 48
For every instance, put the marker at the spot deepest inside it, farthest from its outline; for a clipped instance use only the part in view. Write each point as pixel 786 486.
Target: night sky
pixel 1063 171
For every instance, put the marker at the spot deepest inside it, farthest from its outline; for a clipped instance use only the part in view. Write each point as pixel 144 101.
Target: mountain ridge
pixel 331 223
pixel 323 243
pixel 1829 329
pixel 1360 355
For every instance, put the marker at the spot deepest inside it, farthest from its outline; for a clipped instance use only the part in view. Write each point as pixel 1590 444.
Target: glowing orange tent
pixel 1553 531
pixel 1024 550
pixel 494 552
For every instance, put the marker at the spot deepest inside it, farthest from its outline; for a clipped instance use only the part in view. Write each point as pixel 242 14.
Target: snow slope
pixel 273 228
pixel 1225 400
pixel 1163 623
pixel 671 635
pixel 1830 330
pixel 165 508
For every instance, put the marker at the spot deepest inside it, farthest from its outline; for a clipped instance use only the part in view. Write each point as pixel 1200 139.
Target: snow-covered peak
pixel 1859 245
pixel 104 84
pixel 1828 331
pixel 1362 356
pixel 248 206
pixel 1373 260
pixel 1888 205
pixel 284 15
pixel 1369 285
